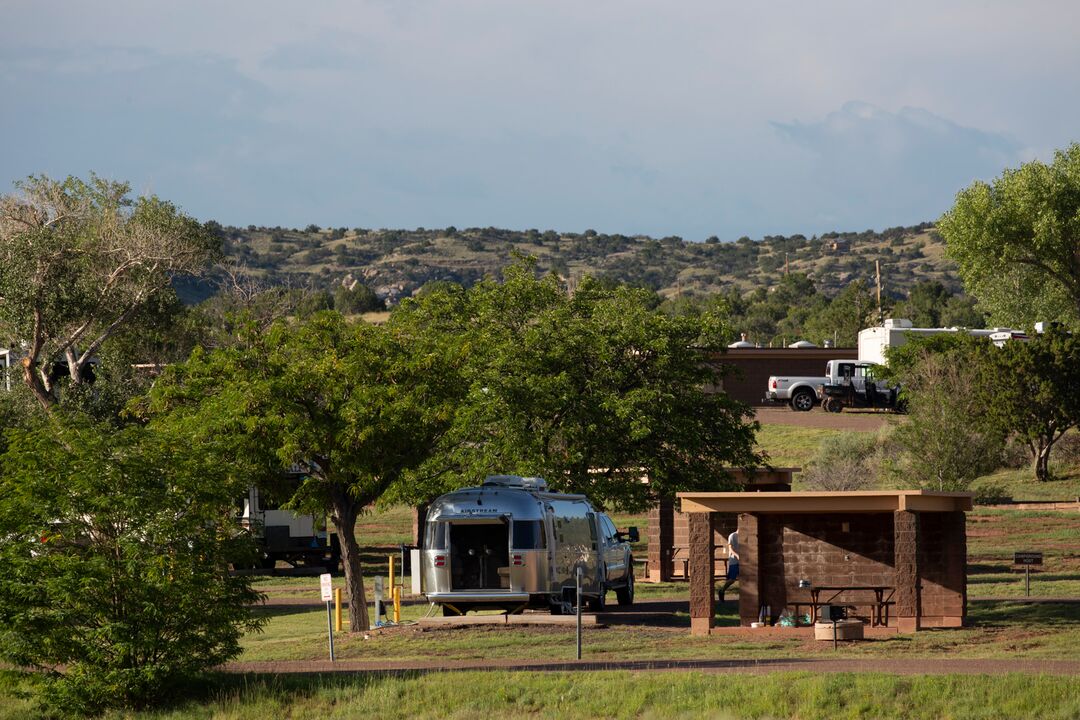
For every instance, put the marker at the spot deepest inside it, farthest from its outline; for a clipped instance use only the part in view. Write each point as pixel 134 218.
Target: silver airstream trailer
pixel 511 544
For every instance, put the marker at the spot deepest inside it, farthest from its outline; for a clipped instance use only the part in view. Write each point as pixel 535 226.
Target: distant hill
pixel 395 263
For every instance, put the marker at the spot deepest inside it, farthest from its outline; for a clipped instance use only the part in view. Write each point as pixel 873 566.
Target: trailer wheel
pixel 625 594
pixel 597 604
pixel 802 400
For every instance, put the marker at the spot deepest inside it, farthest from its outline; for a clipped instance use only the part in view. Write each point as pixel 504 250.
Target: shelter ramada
pixel 896 557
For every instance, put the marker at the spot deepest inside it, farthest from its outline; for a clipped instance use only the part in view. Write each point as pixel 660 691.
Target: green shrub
pixel 116 555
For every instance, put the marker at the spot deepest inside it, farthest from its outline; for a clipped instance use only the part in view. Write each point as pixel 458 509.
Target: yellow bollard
pixel 337 609
pixel 397 604
pixel 391 583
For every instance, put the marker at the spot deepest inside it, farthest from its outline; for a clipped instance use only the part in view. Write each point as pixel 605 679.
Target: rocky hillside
pixel 395 263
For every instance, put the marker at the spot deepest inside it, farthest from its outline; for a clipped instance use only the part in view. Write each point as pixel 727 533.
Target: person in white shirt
pixel 733 563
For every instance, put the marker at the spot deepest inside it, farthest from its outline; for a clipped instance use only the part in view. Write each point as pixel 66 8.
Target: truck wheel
pixel 625 594
pixel 597 604
pixel 802 400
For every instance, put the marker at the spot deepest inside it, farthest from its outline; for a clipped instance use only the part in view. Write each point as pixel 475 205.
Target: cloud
pixel 866 162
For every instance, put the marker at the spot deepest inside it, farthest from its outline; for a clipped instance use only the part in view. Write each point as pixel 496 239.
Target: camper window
pixel 436 536
pixel 529 535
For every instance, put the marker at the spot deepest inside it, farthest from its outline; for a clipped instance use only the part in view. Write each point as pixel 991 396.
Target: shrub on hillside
pixel 845 462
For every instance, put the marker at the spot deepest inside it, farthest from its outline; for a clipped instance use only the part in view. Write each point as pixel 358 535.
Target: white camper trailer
pixel 894 332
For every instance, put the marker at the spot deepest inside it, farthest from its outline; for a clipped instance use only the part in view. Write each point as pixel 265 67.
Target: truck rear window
pixel 529 535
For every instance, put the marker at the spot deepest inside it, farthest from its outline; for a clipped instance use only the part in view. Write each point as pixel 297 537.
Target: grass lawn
pixel 999 629
pixel 792 445
pixel 604 695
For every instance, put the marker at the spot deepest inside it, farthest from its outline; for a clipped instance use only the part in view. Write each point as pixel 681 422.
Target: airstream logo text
pixel 478 511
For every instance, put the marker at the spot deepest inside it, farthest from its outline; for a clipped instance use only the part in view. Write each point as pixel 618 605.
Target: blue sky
pixel 690 118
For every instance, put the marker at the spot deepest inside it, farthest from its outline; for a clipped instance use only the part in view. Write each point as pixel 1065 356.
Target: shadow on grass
pixel 1004 614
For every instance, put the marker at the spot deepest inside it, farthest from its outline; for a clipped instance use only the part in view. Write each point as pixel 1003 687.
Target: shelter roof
pixel 856 501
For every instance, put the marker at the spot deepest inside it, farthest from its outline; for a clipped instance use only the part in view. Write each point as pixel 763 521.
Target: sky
pixel 686 117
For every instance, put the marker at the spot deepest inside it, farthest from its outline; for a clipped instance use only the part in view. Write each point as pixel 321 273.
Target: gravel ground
pixel 818 418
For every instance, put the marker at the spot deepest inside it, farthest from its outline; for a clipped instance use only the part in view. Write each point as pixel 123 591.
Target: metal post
pixel 337 609
pixel 1027 581
pixel 578 575
pixel 401 570
pixel 397 604
pixel 391 573
pixel 330 630
pixel 834 634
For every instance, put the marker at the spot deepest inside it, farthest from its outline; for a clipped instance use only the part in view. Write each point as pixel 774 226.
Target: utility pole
pixel 880 315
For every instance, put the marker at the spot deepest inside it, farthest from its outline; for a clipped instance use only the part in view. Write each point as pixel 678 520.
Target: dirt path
pixel 868 420
pixel 912 666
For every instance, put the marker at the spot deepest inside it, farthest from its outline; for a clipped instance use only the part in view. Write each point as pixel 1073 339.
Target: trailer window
pixel 529 535
pixel 436 536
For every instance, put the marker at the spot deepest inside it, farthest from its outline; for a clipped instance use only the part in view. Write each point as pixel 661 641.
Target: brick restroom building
pixel 895 557
pixel 751 367
pixel 668 555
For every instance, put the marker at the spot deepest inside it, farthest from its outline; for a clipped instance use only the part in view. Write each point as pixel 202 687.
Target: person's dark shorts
pixel 732 570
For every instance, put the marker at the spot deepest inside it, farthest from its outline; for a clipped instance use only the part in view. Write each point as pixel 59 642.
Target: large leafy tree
pixel 595 392
pixel 355 405
pixel 1017 241
pixel 79 260
pixel 116 552
pixel 1035 388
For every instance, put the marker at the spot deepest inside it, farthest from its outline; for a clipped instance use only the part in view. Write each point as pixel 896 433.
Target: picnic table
pixel 879 607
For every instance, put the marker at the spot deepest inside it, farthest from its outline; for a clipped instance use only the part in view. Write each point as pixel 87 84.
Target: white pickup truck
pixel 803 393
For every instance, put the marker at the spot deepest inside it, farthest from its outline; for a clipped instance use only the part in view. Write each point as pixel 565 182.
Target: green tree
pixel 594 392
pixel 356 299
pixel 1036 392
pixel 355 405
pixel 949 438
pixel 78 261
pixel 850 311
pixel 116 552
pixel 1017 241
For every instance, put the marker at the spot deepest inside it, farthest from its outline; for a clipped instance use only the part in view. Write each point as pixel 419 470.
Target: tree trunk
pixel 1042 462
pixel 344 517
pixel 37 386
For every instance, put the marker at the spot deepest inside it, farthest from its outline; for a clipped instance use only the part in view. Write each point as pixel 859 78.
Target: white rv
pixel 894 332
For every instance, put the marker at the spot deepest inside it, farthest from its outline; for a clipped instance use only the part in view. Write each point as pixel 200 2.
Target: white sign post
pixel 327 588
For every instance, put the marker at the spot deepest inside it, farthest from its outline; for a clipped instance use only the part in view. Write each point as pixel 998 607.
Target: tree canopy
pixel 594 391
pixel 355 405
pixel 1017 241
pixel 78 261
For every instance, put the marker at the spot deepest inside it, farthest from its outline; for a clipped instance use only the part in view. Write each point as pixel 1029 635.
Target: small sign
pixel 327 588
pixel 1027 558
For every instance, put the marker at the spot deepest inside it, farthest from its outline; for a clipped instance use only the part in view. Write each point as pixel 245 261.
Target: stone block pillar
pixel 661 539
pixel 906 562
pixel 749 568
pixel 701 572
pixel 954 545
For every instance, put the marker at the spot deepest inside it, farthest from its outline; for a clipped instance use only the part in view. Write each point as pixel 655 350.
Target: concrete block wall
pixel 831 549
pixel 942 569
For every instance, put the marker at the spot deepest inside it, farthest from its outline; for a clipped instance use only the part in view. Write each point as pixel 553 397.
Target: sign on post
pixel 1027 559
pixel 327 589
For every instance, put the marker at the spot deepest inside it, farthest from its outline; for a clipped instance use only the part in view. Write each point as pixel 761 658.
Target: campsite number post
pixel 1027 559
pixel 325 585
